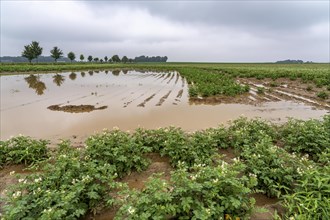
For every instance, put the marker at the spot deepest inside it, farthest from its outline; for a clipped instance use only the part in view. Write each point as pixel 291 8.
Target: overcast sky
pixel 207 31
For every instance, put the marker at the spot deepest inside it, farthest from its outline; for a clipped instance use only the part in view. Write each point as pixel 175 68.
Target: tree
pixel 106 59
pixel 96 59
pixel 101 60
pixel 56 53
pixel 90 58
pixel 37 50
pixel 32 51
pixel 82 57
pixel 115 58
pixel 150 59
pixel 71 56
pixel 28 53
pixel 124 59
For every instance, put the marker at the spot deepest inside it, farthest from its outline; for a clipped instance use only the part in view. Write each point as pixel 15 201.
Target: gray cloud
pixel 184 30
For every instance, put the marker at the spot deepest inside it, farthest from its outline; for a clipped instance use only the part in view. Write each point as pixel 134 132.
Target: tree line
pixel 34 50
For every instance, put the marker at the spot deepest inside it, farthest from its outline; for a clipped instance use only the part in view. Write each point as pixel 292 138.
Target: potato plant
pixel 290 162
pixel 244 133
pixel 200 192
pixel 65 188
pixel 311 196
pixel 275 169
pixel 118 149
pixel 310 137
pixel 22 150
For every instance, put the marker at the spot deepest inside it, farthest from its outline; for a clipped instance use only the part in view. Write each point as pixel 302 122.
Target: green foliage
pixel 81 57
pixel 207 83
pixel 22 150
pixel 90 58
pixel 311 197
pixel 203 193
pixel 71 56
pixel 310 137
pixel 32 51
pixel 219 137
pixel 261 90
pixel 118 149
pixel 273 84
pixel 179 146
pixel 65 189
pixel 245 133
pixel 275 169
pixel 124 59
pixel 115 58
pixel 323 95
pixel 74 182
pixel 56 53
pixel 28 53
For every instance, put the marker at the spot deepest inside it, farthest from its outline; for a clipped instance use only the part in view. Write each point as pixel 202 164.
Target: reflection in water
pixel 58 79
pixel 90 73
pixel 115 72
pixel 82 74
pixel 106 72
pixel 35 83
pixel 125 71
pixel 73 76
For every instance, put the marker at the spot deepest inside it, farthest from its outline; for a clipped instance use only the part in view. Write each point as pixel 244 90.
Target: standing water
pixel 56 106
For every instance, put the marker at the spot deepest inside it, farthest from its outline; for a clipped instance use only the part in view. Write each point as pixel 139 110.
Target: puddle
pixel 126 99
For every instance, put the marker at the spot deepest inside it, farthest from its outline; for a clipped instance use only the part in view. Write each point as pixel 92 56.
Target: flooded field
pixel 76 104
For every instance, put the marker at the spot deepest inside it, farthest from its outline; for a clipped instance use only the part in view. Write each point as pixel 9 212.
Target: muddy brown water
pixel 127 100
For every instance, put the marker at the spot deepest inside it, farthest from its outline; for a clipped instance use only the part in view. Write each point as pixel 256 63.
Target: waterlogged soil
pixel 41 105
pixel 75 108
pixel 266 90
pixel 137 180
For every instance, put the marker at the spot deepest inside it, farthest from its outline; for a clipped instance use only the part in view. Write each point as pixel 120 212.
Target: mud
pixel 288 90
pixel 271 205
pixel 162 99
pixel 227 154
pixel 137 180
pixel 75 108
pixel 146 100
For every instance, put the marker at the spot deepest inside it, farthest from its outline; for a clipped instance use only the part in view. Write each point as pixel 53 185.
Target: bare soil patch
pixel 137 180
pixel 269 90
pixel 75 108
pixel 228 154
pixel 162 99
pixel 289 90
pixel 272 205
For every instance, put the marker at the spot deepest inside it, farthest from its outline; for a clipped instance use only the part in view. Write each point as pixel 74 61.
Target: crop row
pixel 207 83
pixel 204 80
pixel 289 161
